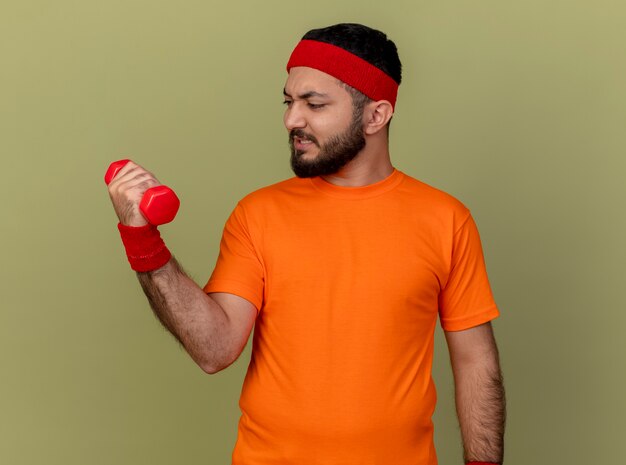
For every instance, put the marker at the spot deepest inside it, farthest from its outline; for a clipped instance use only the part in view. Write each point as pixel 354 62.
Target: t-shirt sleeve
pixel 239 269
pixel 466 300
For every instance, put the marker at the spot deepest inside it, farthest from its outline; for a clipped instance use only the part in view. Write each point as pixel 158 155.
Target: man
pixel 344 269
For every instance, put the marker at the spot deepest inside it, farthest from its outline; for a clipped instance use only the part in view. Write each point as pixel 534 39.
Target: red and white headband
pixel 347 67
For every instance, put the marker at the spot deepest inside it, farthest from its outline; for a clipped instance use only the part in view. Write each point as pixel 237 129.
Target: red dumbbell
pixel 158 205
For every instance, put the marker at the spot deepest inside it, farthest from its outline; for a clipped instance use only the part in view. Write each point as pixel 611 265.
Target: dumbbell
pixel 158 205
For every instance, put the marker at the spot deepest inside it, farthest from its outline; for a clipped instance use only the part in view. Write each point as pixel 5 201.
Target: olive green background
pixel 516 108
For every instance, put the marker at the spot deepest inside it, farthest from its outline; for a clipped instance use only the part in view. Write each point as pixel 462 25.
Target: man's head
pixel 341 88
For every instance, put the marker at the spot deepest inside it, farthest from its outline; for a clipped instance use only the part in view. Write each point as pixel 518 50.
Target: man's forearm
pixel 192 316
pixel 481 408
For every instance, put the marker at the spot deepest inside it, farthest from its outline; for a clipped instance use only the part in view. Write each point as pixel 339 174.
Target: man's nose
pixel 294 118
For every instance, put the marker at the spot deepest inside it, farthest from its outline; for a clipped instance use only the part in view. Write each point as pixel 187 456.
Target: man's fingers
pixel 129 171
pixel 132 179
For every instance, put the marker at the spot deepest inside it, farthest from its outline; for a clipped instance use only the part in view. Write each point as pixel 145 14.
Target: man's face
pixel 324 131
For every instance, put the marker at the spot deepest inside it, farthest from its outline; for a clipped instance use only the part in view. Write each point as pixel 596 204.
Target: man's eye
pixel 315 106
pixel 287 102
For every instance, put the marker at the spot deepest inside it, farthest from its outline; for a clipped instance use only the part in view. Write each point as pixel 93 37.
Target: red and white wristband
pixel 145 249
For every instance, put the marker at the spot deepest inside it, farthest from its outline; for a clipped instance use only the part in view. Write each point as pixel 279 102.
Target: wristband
pixel 145 249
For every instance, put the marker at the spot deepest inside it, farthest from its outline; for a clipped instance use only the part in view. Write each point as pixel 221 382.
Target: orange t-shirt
pixel 348 283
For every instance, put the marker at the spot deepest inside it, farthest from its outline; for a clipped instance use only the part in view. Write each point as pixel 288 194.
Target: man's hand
pixel 480 399
pixel 126 191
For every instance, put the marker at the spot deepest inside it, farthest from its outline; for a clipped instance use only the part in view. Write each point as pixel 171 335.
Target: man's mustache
pixel 302 135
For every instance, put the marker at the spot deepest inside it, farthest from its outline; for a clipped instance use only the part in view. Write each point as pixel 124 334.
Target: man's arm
pixel 480 398
pixel 213 329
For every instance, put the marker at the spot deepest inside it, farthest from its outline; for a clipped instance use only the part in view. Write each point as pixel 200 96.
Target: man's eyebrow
pixel 306 95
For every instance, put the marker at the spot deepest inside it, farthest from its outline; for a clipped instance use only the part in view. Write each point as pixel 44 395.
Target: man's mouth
pixel 302 143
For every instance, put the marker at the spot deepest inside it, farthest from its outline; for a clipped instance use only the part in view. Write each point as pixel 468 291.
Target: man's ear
pixel 377 115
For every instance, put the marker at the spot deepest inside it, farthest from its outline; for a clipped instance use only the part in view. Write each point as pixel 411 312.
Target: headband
pixel 347 67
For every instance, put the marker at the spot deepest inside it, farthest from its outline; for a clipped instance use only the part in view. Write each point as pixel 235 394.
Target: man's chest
pixel 351 252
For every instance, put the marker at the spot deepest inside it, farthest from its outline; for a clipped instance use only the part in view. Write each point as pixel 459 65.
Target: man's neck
pixel 370 166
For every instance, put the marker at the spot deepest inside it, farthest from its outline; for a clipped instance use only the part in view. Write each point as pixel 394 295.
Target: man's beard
pixel 333 155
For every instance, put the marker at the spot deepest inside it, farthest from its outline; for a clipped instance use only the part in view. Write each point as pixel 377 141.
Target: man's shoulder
pixel 433 197
pixel 280 189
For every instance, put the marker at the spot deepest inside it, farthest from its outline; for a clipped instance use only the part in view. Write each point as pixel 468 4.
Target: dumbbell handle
pixel 158 205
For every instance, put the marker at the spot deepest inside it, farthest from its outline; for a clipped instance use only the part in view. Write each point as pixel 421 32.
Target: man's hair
pixel 369 44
